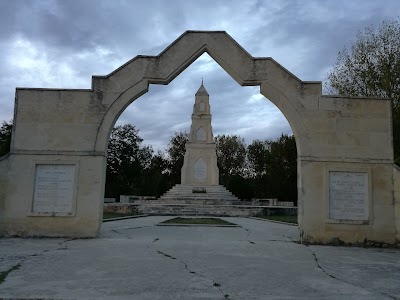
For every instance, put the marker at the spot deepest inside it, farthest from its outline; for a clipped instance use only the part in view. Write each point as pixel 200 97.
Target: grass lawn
pixel 197 221
pixel 110 215
pixel 287 219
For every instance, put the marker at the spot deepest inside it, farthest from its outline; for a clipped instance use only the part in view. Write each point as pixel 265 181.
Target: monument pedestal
pixel 200 165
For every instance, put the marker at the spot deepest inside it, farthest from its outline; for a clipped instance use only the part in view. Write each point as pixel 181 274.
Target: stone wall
pixel 347 134
pixel 4 184
pixel 396 179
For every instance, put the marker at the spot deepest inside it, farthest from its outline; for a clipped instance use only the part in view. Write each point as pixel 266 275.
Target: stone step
pixel 196 210
pixel 216 193
pixel 199 196
pixel 189 202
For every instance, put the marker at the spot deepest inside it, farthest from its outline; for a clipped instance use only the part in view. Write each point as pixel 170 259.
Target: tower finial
pixel 201 80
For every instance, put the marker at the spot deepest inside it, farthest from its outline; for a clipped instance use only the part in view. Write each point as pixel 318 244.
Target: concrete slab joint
pixel 58 126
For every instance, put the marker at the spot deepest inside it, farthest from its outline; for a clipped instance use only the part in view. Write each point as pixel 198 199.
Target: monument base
pixel 195 200
pixel 210 194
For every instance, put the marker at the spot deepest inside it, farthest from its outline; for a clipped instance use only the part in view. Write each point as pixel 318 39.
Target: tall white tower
pixel 200 162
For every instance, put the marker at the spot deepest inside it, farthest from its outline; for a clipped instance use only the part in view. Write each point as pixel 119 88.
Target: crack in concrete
pixel 120 233
pixel 282 241
pixel 215 284
pixel 290 238
pixel 4 274
pixel 155 240
pixel 247 236
pixel 65 247
pixel 342 280
pixel 131 228
pixel 318 264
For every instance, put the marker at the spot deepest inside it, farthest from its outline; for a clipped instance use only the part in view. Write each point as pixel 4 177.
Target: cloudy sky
pixel 61 44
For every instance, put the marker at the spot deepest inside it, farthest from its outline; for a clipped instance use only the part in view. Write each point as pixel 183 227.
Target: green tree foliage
pixel 176 153
pixel 156 179
pixel 283 169
pixel 231 158
pixel 231 155
pixel 273 168
pixel 371 67
pixel 126 162
pixel 259 158
pixel 5 137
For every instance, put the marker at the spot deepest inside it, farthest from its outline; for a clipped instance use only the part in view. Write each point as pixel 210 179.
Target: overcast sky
pixel 61 44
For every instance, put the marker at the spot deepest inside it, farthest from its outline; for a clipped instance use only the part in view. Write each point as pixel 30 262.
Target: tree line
pixel 263 169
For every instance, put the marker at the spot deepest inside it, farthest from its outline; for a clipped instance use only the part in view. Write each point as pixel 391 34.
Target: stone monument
pixel 200 174
pixel 200 162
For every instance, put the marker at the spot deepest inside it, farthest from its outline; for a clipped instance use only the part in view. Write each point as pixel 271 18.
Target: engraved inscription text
pixel 348 195
pixel 54 186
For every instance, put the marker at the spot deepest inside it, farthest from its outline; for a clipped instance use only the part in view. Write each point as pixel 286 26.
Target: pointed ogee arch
pixel 130 81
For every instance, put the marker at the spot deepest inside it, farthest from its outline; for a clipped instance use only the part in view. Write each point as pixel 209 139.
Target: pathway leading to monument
pixel 134 259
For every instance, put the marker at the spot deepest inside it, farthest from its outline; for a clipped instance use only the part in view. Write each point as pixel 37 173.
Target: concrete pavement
pixel 134 259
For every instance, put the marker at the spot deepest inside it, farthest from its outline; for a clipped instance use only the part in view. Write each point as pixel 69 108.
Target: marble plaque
pixel 54 189
pixel 200 170
pixel 201 134
pixel 348 196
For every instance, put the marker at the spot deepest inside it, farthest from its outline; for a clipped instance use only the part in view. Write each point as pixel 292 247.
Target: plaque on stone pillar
pixel 54 189
pixel 201 134
pixel 200 170
pixel 348 196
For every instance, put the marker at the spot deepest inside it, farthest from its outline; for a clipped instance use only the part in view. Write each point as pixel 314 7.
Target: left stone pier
pixel 52 163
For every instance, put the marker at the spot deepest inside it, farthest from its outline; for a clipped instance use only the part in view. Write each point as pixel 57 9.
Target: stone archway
pixel 334 135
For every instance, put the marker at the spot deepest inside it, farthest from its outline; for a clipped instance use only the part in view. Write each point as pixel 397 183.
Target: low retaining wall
pixel 190 209
pixel 121 208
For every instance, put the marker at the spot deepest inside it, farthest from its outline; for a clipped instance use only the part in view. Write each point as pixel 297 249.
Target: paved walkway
pixel 134 259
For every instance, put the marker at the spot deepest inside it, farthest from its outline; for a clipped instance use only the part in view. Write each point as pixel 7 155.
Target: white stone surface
pixel 54 189
pixel 200 161
pixel 200 134
pixel 348 195
pixel 200 170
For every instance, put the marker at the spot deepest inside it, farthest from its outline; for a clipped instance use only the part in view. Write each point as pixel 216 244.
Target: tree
pixel 5 137
pixel 273 166
pixel 258 153
pixel 176 153
pixel 126 161
pixel 372 68
pixel 231 158
pixel 259 160
pixel 283 169
pixel 155 179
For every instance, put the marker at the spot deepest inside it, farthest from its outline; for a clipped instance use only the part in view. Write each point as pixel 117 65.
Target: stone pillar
pixel 200 162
